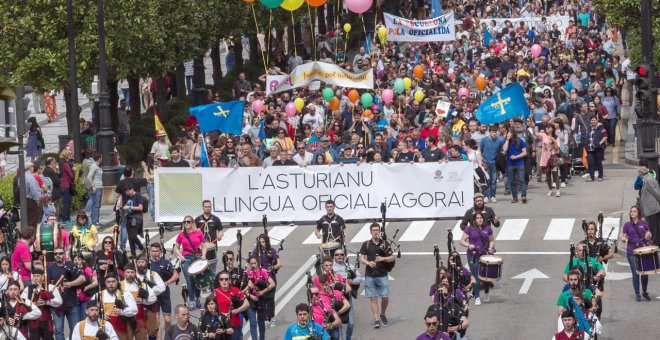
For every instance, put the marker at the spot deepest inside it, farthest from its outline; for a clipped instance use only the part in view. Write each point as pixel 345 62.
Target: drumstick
pixel 57 284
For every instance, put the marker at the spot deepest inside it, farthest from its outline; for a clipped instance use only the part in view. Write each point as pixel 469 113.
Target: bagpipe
pixel 337 305
pixel 101 334
pixel 271 261
pixel 386 246
pixel 166 271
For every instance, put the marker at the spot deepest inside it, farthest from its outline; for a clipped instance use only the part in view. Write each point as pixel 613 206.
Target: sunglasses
pixel 188 222
pixel 300 149
pixel 230 259
pixel 339 254
pixel 315 294
pixel 224 279
pixel 429 324
pixel 107 242
pixel 280 133
pixel 59 253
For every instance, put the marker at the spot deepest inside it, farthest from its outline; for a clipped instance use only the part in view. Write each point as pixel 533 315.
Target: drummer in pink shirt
pixel 21 258
pixel 189 249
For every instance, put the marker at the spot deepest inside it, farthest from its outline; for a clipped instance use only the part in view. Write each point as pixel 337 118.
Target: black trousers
pixel 134 228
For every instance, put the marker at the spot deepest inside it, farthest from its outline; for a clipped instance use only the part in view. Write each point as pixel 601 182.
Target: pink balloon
pixel 388 96
pixel 257 106
pixel 463 92
pixel 290 109
pixel 536 50
pixel 358 6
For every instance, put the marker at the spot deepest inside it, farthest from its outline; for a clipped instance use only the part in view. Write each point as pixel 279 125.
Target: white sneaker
pixel 557 194
pixel 554 185
pixel 477 302
pixel 272 323
pixel 493 200
pixel 563 184
pixel 486 297
pixel 485 199
pixel 549 193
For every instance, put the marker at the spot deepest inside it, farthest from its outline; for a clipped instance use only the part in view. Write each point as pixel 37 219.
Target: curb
pixel 631 141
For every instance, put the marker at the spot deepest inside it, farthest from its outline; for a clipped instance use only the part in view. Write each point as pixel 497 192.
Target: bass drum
pixel 46 239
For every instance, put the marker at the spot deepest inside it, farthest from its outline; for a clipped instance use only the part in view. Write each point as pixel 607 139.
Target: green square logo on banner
pixel 188 189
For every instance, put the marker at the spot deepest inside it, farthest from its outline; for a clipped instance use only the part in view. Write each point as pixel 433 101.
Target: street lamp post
pixel 73 82
pixel 647 125
pixel 111 173
pixel 198 81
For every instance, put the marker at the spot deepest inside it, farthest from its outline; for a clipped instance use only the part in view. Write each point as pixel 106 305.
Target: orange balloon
pixel 367 114
pixel 353 96
pixel 315 3
pixel 480 83
pixel 334 104
pixel 418 71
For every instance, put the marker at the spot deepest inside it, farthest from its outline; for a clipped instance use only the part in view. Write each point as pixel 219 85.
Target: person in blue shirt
pixel 490 147
pixel 304 327
pixel 516 152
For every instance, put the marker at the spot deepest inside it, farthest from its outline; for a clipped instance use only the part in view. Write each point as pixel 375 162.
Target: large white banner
pixel 330 74
pixel 292 193
pixel 560 20
pixel 436 29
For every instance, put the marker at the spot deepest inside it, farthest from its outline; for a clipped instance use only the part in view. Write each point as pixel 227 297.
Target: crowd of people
pixel 574 89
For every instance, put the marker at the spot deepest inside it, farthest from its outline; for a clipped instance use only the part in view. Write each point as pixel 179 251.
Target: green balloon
pixel 399 87
pixel 272 4
pixel 367 99
pixel 328 93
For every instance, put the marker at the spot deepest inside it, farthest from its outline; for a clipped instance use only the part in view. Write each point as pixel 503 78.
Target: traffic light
pixel 22 112
pixel 644 94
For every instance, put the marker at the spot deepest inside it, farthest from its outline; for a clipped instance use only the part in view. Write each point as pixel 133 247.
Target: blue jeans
pixel 351 320
pixel 82 310
pixel 492 180
pixel 189 281
pixel 123 235
pixel 150 193
pixel 335 333
pixel 238 333
pixel 595 159
pixel 71 314
pixel 635 277
pixel 516 175
pixel 65 214
pixel 611 130
pixel 127 95
pixel 93 205
pixel 123 138
pixel 257 318
pixel 474 269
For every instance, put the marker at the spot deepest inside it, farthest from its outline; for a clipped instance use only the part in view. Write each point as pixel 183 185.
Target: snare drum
pixel 330 246
pixel 203 276
pixel 490 269
pixel 647 260
pixel 46 240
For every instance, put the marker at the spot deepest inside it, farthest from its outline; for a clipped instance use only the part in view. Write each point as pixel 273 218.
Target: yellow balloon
pixel 292 5
pixel 407 83
pixel 419 96
pixel 347 27
pixel 382 32
pixel 299 103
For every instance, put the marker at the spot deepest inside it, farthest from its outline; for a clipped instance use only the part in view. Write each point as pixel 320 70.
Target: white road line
pixel 299 284
pixel 363 234
pixel 278 233
pixel 559 229
pixel 457 232
pixel 230 236
pixel 608 224
pixel 169 243
pixel 295 277
pixel 311 239
pixel 425 253
pixel 417 231
pixel 512 229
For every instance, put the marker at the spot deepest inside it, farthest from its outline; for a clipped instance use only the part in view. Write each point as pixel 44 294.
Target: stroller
pixel 480 178
pixel 577 166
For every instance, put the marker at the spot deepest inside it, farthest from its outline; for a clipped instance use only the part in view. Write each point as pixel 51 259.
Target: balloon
pixel 463 92
pixel 388 96
pixel 353 96
pixel 407 83
pixel 316 3
pixel 419 96
pixel 271 4
pixel 328 93
pixel 367 114
pixel 334 104
pixel 367 99
pixel 480 83
pixel 347 27
pixel 399 86
pixel 290 109
pixel 257 106
pixel 292 5
pixel 418 71
pixel 536 50
pixel 358 6
pixel 299 103
pixel 382 33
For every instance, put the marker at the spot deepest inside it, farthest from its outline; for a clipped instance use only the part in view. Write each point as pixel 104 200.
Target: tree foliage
pixel 626 15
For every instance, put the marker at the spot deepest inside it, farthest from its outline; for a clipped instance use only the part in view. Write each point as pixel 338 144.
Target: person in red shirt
pixel 230 301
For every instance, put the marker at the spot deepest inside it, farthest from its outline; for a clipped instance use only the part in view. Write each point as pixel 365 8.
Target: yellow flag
pixel 159 127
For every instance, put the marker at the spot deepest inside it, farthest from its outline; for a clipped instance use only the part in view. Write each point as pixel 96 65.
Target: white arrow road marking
pixel 626 264
pixel 613 276
pixel 528 277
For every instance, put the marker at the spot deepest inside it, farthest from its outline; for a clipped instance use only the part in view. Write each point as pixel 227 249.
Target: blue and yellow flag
pixel 506 104
pixel 226 117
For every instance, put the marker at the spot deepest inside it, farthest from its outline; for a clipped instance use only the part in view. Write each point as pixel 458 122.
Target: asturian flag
pixel 226 117
pixel 505 104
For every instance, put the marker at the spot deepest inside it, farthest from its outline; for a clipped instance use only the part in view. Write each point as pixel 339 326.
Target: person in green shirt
pixel 596 266
pixel 575 289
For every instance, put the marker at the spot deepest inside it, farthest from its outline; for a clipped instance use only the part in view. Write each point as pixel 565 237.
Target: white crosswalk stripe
pixel 457 232
pixel 278 233
pixel 512 229
pixel 608 224
pixel 230 236
pixel 559 229
pixel 417 231
pixel 311 239
pixel 363 234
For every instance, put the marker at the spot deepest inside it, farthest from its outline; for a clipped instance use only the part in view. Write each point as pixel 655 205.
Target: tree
pixel 625 14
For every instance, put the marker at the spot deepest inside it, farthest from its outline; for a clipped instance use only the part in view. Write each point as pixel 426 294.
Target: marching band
pixel 105 295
